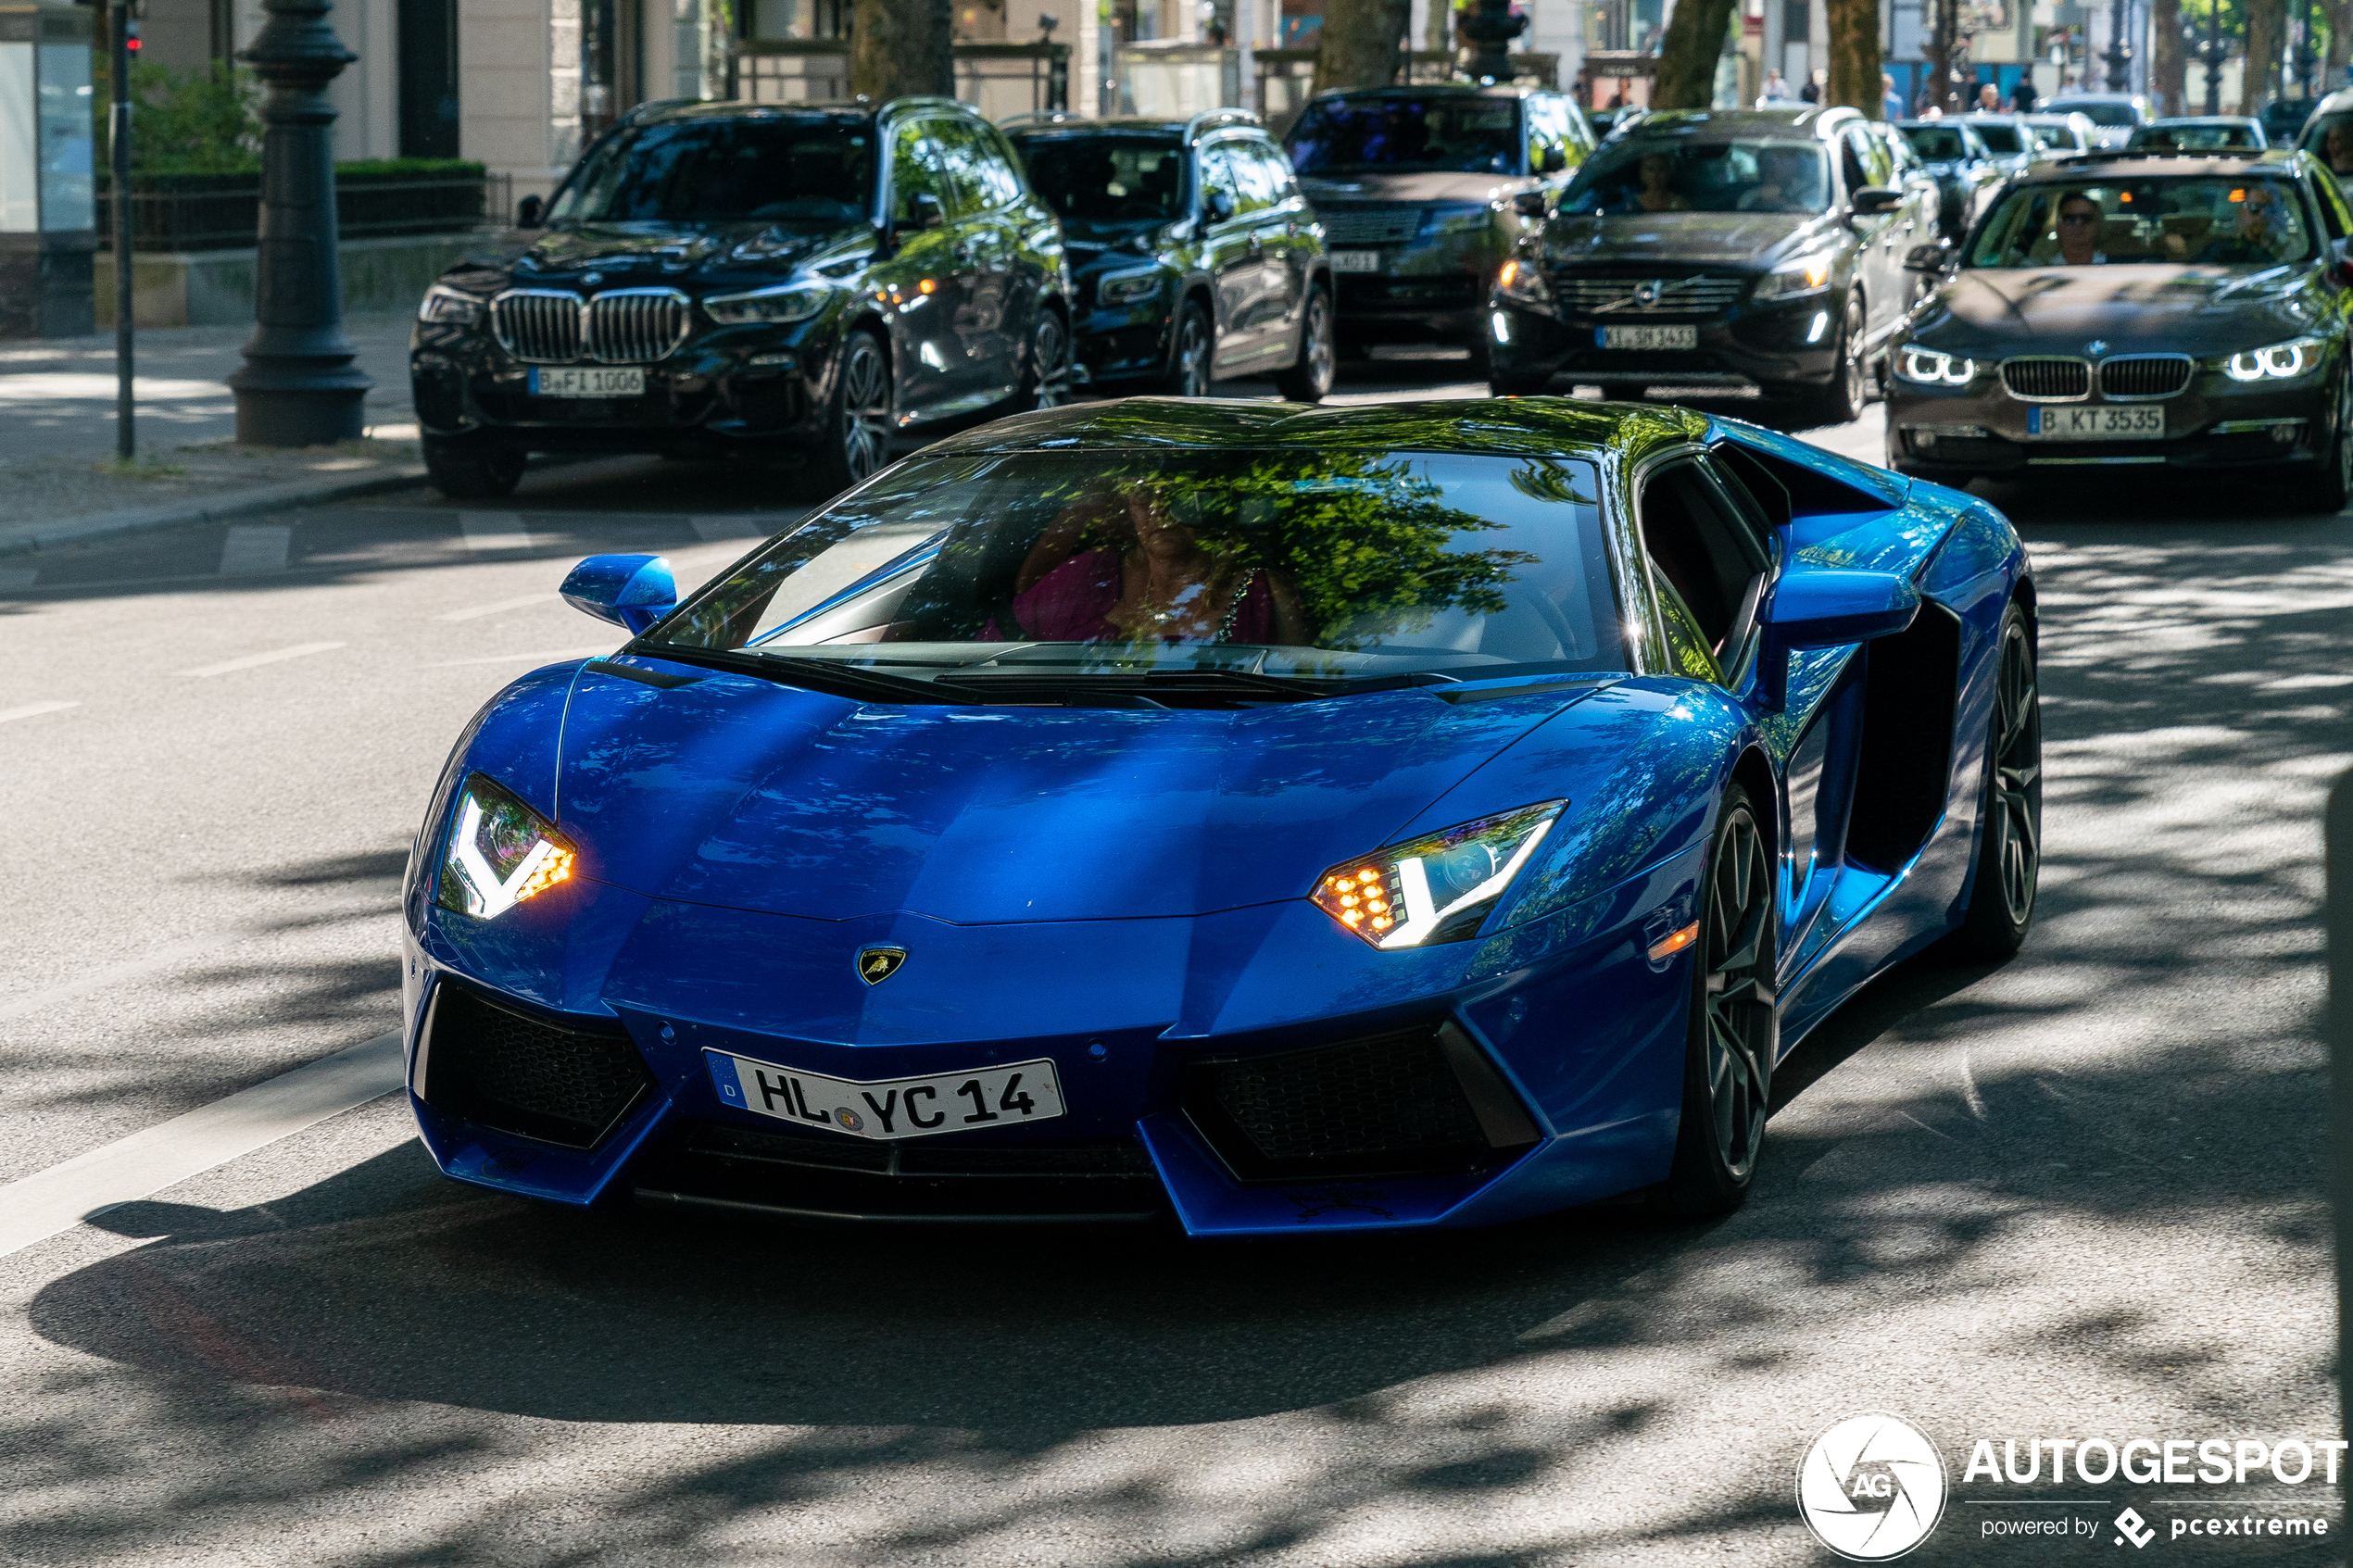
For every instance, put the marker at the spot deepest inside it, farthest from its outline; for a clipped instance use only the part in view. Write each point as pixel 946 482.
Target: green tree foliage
pixel 185 122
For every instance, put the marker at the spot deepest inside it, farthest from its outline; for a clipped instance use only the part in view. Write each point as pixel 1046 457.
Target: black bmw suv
pixel 1193 255
pixel 817 279
pixel 1719 249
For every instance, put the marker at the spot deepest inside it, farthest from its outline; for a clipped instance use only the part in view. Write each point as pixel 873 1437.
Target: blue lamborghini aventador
pixel 1281 817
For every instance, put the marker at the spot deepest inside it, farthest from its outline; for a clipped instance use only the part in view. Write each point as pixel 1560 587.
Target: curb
pixel 229 504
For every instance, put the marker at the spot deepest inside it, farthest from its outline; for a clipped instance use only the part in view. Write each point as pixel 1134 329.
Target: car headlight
pixel 1795 280
pixel 1127 288
pixel 1520 281
pixel 2277 361
pixel 1454 219
pixel 788 302
pixel 1438 887
pixel 499 853
pixel 1930 368
pixel 445 304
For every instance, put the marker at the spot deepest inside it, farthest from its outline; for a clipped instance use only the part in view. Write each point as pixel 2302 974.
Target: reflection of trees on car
pixel 1458 134
pixel 808 171
pixel 1746 175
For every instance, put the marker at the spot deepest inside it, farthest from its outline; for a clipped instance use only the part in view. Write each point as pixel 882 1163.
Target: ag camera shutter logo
pixel 1871 1486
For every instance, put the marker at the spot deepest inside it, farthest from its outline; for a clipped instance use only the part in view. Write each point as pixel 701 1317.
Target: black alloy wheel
pixel 2331 484
pixel 1735 1027
pixel 1310 376
pixel 1048 384
pixel 466 471
pixel 857 439
pixel 2009 855
pixel 1190 348
pixel 1840 400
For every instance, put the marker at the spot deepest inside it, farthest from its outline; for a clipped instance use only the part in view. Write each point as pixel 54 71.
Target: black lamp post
pixel 298 387
pixel 2120 54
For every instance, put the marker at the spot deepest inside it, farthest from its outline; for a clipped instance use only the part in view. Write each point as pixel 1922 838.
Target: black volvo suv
pixel 732 277
pixel 1775 248
pixel 1193 253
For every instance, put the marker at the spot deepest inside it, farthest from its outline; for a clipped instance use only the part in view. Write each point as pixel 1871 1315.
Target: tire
pixel 2331 486
pixel 1310 376
pixel 857 434
pixel 1734 1031
pixel 472 470
pixel 1839 401
pixel 1192 349
pixel 2010 852
pixel 1046 385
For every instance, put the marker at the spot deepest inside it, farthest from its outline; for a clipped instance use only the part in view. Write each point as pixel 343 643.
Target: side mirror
pixel 1936 256
pixel 1873 199
pixel 528 211
pixel 1825 608
pixel 922 212
pixel 1528 204
pixel 632 592
pixel 1219 205
pixel 2341 264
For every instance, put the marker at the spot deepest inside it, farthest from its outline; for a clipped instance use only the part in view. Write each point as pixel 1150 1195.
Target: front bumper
pixel 747 388
pixel 1426 290
pixel 1253 1071
pixel 1748 345
pixel 1981 431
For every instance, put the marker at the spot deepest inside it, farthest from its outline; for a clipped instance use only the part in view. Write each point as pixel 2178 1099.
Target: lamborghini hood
pixel 738 793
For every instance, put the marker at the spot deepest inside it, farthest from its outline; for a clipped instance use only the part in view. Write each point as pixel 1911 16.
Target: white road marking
pixel 493 530
pixel 251 660
pixel 710 530
pixel 34 710
pixel 499 607
pixel 548 657
pixel 129 1169
pixel 257 548
pixel 18 577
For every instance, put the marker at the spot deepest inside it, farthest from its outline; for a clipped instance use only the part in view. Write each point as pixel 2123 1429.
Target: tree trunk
pixel 1686 57
pixel 2262 69
pixel 2168 64
pixel 1358 45
pixel 1855 71
pixel 899 49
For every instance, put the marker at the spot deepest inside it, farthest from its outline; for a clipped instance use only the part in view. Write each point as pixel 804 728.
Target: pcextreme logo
pixel 1871 1486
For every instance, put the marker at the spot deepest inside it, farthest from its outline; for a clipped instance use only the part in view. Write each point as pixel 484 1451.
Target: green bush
pixel 187 122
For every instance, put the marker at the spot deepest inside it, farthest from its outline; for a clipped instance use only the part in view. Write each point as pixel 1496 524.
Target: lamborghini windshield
pixel 1318 567
pixel 2214 220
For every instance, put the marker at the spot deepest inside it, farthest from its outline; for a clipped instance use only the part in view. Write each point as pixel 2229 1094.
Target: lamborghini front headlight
pixel 1438 887
pixel 499 852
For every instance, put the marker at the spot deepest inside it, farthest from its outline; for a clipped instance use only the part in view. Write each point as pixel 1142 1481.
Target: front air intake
pixel 503 1069
pixel 1418 1101
pixel 2048 380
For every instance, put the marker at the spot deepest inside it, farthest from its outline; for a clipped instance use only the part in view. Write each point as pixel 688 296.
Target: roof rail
pixel 1217 119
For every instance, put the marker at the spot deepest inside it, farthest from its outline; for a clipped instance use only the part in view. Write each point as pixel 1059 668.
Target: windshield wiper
pixel 834 679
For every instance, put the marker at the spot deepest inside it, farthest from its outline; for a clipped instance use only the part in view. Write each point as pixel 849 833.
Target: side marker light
pixel 1674 942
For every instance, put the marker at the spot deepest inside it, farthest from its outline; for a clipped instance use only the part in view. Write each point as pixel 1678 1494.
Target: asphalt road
pixel 2078 1194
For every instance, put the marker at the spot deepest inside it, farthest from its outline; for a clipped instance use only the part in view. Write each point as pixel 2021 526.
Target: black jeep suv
pixel 729 277
pixel 1193 254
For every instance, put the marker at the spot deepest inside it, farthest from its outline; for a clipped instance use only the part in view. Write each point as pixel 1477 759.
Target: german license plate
pixel 589 382
pixel 1646 337
pixel 2143 423
pixel 890 1107
pixel 1355 261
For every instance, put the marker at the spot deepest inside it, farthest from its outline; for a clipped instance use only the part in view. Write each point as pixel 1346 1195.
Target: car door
pixel 989 319
pixel 1923 206
pixel 1864 163
pixel 921 278
pixel 1231 258
pixel 1284 252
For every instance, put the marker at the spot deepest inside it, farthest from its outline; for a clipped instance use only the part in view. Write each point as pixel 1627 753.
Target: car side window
pixel 1547 137
pixel 1217 178
pixel 963 154
pixel 1863 160
pixel 1253 182
pixel 1708 565
pixel 917 168
pixel 998 171
pixel 1273 168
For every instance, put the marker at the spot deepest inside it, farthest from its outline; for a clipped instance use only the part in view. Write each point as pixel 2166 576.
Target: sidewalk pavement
pixel 58 435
